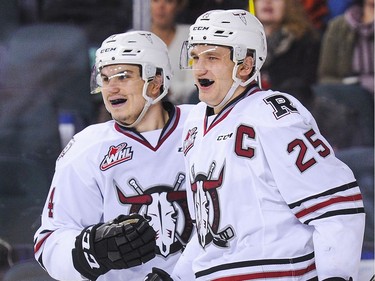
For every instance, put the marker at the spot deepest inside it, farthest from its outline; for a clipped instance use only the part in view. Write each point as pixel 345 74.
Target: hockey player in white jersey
pixel 117 203
pixel 269 198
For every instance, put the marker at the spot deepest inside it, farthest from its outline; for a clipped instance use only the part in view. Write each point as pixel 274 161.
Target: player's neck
pixel 237 92
pixel 155 118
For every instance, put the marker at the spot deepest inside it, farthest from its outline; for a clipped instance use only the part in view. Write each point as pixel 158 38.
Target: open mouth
pixel 205 82
pixel 118 101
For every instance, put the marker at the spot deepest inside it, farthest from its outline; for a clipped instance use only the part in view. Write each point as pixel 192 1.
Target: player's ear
pixel 155 86
pixel 245 69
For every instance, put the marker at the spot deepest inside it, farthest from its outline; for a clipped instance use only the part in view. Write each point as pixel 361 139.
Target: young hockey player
pixel 268 196
pixel 117 204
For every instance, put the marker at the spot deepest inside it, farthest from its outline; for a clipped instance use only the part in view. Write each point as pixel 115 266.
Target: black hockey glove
pixel 124 242
pixel 158 275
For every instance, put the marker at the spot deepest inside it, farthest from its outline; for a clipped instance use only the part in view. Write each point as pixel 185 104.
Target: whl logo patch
pixel 116 155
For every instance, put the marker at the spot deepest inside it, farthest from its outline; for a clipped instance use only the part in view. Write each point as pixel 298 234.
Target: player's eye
pixel 123 76
pixel 119 77
pixel 211 58
pixel 105 79
pixel 194 58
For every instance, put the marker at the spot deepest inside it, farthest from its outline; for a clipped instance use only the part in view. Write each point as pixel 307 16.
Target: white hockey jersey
pixel 269 198
pixel 106 171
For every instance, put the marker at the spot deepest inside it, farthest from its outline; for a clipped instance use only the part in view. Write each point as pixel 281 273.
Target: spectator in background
pixel 321 11
pixel 344 98
pixel 164 24
pixel 293 48
pixel 317 11
pixel 346 70
pixel 348 47
pixel 337 7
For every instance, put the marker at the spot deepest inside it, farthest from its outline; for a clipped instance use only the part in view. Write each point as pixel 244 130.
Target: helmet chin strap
pixel 149 102
pixel 236 83
pixel 140 117
pixel 229 95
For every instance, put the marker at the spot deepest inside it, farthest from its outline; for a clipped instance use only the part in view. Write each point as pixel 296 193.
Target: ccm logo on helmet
pixel 108 50
pixel 200 28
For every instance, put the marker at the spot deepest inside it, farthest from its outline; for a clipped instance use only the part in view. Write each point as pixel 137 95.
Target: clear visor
pixel 95 81
pixel 202 53
pixel 186 62
pixel 120 76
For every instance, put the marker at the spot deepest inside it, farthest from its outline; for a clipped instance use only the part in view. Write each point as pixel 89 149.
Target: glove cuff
pixel 158 274
pixel 83 254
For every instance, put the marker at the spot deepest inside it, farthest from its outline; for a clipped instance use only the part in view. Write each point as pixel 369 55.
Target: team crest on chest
pixel 189 140
pixel 165 207
pixel 116 155
pixel 207 209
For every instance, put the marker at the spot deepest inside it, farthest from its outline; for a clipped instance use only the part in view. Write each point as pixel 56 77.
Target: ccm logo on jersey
pixel 116 155
pixel 224 137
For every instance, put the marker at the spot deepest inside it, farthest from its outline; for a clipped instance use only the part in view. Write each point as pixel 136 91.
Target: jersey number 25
pixel 302 163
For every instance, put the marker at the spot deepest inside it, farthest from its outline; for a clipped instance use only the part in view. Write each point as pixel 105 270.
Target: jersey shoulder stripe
pixel 255 269
pixel 342 200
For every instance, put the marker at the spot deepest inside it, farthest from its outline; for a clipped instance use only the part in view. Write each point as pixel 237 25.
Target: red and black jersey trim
pixel 328 192
pixel 351 211
pixel 174 117
pixel 250 90
pixel 258 263
pixel 39 242
pixel 329 203
pixel 38 245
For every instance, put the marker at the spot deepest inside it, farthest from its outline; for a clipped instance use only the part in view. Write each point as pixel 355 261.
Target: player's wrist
pixel 158 274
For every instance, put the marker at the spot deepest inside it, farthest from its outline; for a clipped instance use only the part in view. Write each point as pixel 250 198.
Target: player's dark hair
pixel 159 71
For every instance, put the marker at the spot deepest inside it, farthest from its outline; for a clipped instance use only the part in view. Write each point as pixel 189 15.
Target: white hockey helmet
pixel 235 28
pixel 141 48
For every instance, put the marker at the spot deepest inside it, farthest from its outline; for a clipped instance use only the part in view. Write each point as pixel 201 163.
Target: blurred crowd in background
pixel 321 51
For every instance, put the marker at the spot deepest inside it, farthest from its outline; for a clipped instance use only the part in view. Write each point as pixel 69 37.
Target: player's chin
pixel 207 97
pixel 121 118
pixel 123 122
